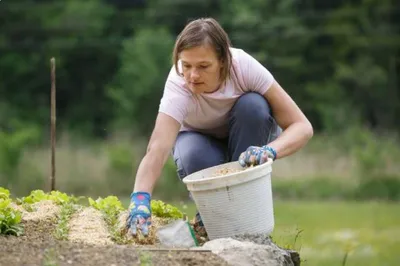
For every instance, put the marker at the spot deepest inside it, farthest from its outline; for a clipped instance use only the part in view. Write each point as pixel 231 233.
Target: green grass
pixel 369 232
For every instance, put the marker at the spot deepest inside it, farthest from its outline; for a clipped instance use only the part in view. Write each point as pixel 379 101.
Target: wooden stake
pixel 53 124
pixel 174 249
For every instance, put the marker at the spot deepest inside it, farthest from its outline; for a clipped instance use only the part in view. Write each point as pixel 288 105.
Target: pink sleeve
pixel 175 100
pixel 255 76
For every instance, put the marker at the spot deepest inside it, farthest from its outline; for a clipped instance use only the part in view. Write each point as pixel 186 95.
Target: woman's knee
pixel 194 152
pixel 252 109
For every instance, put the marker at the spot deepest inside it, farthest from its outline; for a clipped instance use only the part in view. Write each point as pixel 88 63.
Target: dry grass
pixel 40 220
pixel 72 162
pixel 88 226
pixel 85 167
pixel 92 163
pixel 40 210
pixel 306 164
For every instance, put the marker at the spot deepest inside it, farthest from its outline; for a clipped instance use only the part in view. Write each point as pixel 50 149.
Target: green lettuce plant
pixel 10 219
pixel 164 210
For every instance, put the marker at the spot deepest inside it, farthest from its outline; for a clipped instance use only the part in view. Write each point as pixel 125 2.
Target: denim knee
pixel 194 152
pixel 251 110
pixel 251 124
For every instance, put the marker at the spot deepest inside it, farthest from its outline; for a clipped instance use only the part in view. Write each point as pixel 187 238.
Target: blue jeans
pixel 250 123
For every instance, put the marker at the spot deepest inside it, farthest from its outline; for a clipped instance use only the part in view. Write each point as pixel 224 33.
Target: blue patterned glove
pixel 139 213
pixel 256 155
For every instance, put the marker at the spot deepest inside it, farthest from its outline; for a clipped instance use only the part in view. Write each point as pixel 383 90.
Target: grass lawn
pixel 368 232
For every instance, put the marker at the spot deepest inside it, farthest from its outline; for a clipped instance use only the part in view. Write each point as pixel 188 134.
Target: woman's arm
pixel 161 142
pixel 297 130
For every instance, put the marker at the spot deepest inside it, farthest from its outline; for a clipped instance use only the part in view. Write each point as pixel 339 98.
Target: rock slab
pixel 252 250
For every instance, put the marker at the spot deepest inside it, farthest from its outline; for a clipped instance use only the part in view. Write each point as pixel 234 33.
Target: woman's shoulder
pixel 241 62
pixel 241 58
pixel 248 72
pixel 236 51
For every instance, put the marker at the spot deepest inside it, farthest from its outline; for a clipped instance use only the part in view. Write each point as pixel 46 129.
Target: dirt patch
pixel 93 241
pixel 89 243
pixel 14 251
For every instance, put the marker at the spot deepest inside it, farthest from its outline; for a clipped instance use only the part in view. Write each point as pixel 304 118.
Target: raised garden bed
pixel 59 229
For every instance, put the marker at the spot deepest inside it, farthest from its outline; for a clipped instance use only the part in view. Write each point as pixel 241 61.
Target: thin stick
pixel 174 249
pixel 53 124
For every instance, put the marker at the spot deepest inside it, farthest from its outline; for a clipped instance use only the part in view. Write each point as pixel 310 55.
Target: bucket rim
pixel 188 181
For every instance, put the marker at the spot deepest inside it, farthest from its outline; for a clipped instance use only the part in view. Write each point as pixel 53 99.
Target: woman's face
pixel 201 68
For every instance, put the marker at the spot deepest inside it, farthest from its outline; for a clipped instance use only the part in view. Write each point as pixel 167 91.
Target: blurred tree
pixel 364 53
pixel 339 60
pixel 139 83
pixel 174 14
pixel 70 33
pixel 268 30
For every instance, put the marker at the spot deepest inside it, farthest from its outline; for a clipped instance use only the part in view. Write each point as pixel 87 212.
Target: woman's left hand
pixel 255 155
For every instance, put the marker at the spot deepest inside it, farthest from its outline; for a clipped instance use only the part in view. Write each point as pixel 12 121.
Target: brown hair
pixel 199 32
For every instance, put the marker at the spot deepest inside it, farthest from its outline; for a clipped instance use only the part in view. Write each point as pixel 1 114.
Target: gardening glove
pixel 139 213
pixel 256 155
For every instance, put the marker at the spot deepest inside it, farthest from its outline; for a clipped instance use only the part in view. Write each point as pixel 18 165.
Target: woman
pixel 219 104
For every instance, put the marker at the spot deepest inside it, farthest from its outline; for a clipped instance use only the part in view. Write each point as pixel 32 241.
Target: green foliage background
pixel 339 60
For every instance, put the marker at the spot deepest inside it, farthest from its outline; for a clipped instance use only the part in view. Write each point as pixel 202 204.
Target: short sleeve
pixel 175 100
pixel 255 76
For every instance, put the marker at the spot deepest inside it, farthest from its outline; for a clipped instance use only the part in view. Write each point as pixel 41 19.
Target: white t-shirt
pixel 209 112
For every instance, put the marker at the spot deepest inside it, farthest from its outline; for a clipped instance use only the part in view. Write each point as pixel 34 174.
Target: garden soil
pixel 89 243
pixel 23 251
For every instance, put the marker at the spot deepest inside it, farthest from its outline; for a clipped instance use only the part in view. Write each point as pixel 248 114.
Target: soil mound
pixel 87 226
pixel 72 234
pixel 89 242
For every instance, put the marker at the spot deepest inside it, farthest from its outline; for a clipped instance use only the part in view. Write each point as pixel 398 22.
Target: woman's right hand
pixel 139 213
pixel 149 170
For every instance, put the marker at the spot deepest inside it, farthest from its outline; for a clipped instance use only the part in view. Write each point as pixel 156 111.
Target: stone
pixel 252 250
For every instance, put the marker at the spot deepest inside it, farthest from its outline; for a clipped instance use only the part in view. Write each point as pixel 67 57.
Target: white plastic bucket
pixel 235 203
